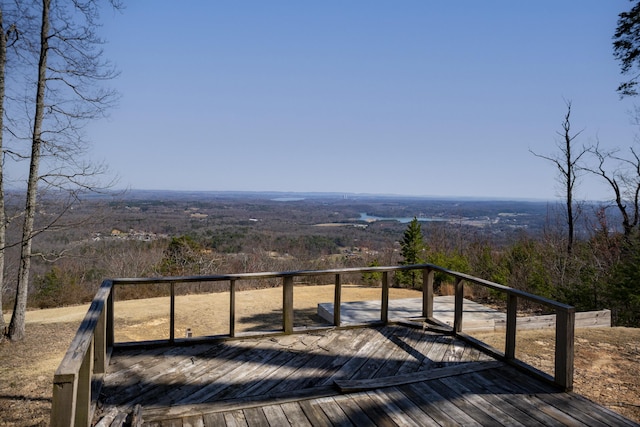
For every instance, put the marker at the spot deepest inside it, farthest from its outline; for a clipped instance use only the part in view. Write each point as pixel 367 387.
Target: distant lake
pixel 287 199
pixel 371 218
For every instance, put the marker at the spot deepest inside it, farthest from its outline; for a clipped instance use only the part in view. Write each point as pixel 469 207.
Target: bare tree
pixel 3 223
pixel 623 176
pixel 8 37
pixel 567 163
pixel 70 69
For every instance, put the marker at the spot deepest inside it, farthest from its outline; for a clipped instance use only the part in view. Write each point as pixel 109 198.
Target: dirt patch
pixel 606 360
pixel 26 373
pixel 605 366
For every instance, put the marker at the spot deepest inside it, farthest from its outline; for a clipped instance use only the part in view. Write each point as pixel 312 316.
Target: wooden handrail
pixel 84 364
pixel 73 391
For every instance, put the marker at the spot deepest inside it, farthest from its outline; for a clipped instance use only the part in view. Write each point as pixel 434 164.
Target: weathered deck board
pixel 486 416
pixel 393 375
pixel 295 414
pixel 416 355
pixel 355 414
pixel 517 395
pixel 484 400
pixel 256 417
pixel 384 360
pixel 411 413
pixel 334 412
pixel 275 414
pixel 374 410
pixel 242 372
pixel 271 374
pixel 318 366
pixel 409 344
pixel 570 403
pixel 443 411
pixel 350 386
pixel 314 414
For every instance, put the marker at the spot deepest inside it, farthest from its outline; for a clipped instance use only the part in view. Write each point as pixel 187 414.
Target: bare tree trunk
pixel 570 179
pixel 3 224
pixel 624 180
pixel 567 163
pixel 17 324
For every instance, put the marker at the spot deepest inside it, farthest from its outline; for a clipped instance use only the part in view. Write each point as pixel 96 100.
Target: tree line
pixel 601 272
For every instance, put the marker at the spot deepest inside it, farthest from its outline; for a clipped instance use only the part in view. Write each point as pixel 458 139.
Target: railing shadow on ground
pixel 79 377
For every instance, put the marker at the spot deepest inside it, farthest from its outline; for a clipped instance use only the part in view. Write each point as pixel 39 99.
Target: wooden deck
pixel 389 375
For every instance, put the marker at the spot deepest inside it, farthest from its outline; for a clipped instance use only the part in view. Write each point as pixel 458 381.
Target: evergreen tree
pixel 626 49
pixel 412 248
pixel 624 287
pixel 373 278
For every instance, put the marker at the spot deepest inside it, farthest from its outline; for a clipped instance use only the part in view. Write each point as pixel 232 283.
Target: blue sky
pixel 434 98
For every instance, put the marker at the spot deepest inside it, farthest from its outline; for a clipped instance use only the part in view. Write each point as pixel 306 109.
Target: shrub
pixel 58 288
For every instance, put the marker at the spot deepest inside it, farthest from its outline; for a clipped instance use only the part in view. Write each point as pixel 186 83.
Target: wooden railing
pixel 77 380
pixel 79 377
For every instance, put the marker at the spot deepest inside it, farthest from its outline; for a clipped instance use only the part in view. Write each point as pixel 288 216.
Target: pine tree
pixel 412 247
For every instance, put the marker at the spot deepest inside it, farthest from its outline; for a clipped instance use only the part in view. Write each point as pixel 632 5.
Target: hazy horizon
pixel 417 98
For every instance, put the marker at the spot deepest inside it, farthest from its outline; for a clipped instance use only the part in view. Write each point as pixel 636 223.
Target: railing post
pixel 172 314
pixel 100 343
pixel 287 304
pixel 565 330
pixel 384 306
pixel 83 390
pixel 63 405
pixel 427 293
pixel 510 339
pixel 459 301
pixel 337 298
pixel 232 308
pixel 110 325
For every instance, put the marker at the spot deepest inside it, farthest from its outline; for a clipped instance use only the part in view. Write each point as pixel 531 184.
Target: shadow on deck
pixel 387 375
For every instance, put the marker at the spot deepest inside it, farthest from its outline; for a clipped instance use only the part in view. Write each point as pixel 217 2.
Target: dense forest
pixel 521 244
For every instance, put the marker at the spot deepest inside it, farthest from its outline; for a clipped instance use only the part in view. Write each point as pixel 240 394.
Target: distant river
pixel 371 218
